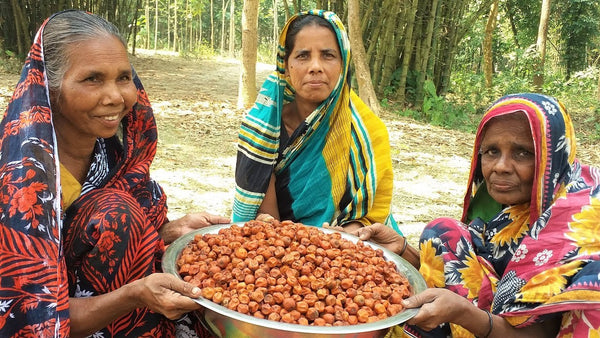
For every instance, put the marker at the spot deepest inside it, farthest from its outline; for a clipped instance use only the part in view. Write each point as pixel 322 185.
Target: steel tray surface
pixel 224 322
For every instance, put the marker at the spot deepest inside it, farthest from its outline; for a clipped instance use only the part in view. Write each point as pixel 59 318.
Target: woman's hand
pixel 382 235
pixel 444 306
pixel 162 293
pixel 167 294
pixel 440 306
pixel 179 227
pixel 265 218
pixel 391 240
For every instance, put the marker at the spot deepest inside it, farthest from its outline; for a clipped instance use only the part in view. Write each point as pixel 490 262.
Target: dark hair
pixel 298 24
pixel 66 29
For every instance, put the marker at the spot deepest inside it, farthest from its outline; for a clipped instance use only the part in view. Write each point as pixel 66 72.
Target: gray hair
pixel 63 31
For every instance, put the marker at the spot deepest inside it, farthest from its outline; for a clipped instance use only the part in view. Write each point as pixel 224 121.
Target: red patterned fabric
pixel 107 238
pixel 33 279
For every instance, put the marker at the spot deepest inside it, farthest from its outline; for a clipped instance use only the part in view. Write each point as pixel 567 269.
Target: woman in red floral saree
pixel 82 224
pixel 530 267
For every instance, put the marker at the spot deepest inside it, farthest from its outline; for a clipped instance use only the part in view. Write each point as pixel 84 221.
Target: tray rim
pixel 415 279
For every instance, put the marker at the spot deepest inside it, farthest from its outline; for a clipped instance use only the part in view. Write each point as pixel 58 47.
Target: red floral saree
pixel 107 238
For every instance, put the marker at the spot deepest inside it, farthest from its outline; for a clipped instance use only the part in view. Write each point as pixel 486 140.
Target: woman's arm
pixel 444 306
pixel 179 227
pixel 269 204
pixel 160 292
pixel 389 239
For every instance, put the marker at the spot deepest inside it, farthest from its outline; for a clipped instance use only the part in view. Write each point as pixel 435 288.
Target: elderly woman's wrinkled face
pixel 315 64
pixel 508 159
pixel 97 91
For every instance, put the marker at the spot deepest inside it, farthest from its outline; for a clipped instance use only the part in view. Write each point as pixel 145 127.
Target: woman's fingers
pixel 265 218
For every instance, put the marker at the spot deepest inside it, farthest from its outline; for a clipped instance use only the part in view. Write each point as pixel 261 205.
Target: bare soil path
pixel 194 102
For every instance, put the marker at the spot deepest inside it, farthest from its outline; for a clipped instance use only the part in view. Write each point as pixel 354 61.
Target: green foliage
pixel 10 62
pixel 580 20
pixel 439 111
pixel 525 18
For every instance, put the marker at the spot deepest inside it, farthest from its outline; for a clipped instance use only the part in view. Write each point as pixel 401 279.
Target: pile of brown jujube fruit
pixel 292 273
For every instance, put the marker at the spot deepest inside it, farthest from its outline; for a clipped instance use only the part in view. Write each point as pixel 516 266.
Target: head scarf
pixel 339 167
pixel 542 251
pixel 554 141
pixel 33 278
pixel 530 262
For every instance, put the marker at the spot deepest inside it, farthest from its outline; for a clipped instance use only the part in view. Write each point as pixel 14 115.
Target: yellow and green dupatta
pixel 338 170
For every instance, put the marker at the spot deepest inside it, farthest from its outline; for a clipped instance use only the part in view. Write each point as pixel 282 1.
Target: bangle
pixel 491 320
pixel 404 247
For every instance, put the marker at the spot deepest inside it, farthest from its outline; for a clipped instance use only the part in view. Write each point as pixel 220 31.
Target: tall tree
pixel 490 27
pixel 21 22
pixel 423 48
pixel 168 24
pixel 155 24
pixel 275 28
pixel 580 23
pixel 538 76
pixel 247 87
pixel 212 26
pixel 147 15
pixel 363 74
pixel 287 10
pixel 407 49
pixel 223 7
pixel 232 28
pixel 175 27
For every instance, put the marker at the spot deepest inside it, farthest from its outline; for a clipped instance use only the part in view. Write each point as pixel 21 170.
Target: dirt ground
pixel 194 102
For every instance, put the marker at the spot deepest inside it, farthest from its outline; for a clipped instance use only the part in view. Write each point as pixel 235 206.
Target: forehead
pixel 314 35
pixel 515 125
pixel 103 49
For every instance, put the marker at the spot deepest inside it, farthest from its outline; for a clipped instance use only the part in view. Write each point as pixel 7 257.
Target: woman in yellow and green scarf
pixel 310 150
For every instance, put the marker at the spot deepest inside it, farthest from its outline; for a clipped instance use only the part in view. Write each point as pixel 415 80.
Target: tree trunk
pixel 189 23
pixel 232 28
pixel 423 50
pixel 287 10
pixel 490 27
pixel 376 51
pixel 363 74
pixel 247 87
pixel 175 28
pixel 407 51
pixel 366 19
pixel 199 30
pixel 391 52
pixel 155 24
pixel 135 26
pixel 275 29
pixel 168 24
pixel 538 75
pixel 212 26
pixel 223 7
pixel 147 14
pixel 21 22
pixel 598 92
pixel 511 19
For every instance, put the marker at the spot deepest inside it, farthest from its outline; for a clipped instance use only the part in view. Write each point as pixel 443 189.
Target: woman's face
pixel 97 91
pixel 508 159
pixel 314 64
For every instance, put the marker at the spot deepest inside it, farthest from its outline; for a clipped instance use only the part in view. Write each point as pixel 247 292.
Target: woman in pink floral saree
pixel 525 255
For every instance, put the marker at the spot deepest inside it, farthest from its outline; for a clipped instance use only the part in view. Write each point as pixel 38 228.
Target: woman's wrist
pixel 170 231
pixel 404 246
pixel 490 325
pixel 351 226
pixel 131 291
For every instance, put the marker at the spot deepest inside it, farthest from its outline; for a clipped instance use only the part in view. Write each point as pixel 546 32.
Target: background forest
pixel 438 61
